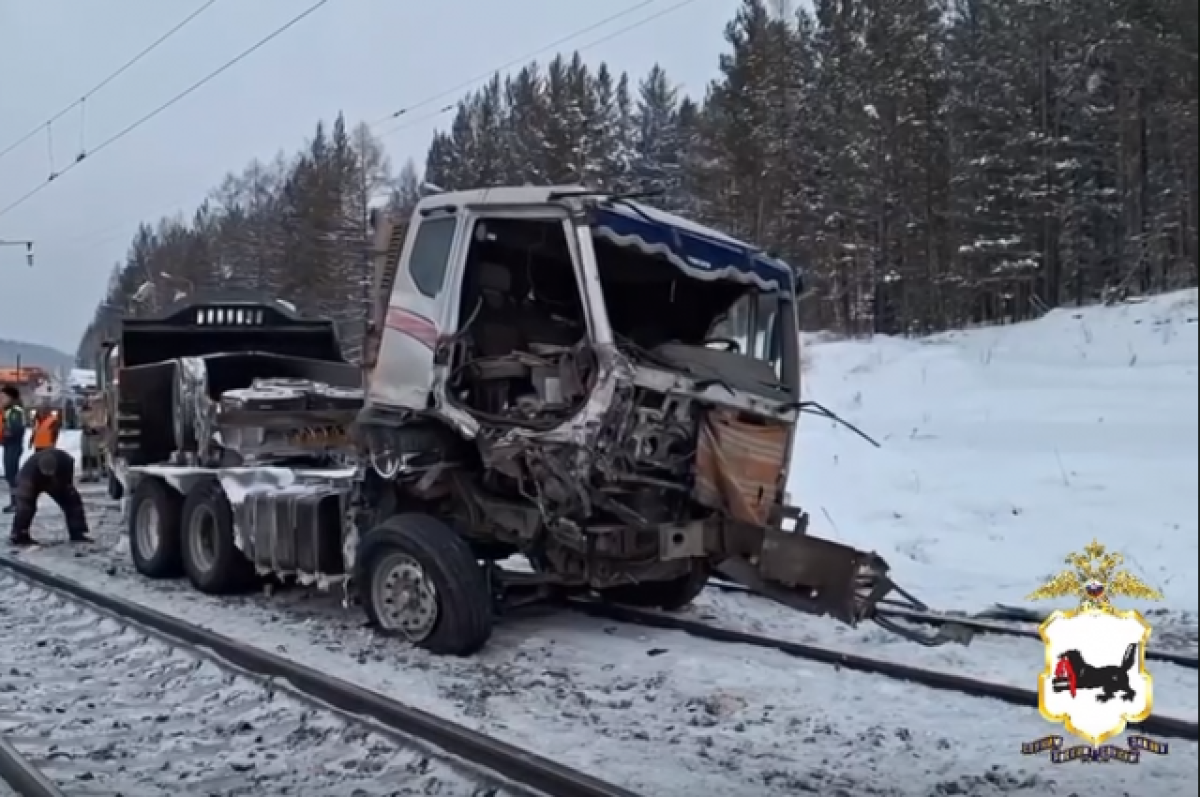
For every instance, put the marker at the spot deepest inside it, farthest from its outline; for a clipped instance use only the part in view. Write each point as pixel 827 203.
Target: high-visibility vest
pixel 4 415
pixel 44 429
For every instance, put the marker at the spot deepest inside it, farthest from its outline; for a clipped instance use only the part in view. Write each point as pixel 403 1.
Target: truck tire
pixel 669 596
pixel 211 559
pixel 154 514
pixel 116 490
pixel 420 581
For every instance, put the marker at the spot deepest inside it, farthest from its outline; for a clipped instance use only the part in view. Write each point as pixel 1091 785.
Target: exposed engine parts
pixel 662 436
pixel 535 388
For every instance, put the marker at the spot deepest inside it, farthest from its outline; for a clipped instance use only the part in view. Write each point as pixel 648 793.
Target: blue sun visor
pixel 698 251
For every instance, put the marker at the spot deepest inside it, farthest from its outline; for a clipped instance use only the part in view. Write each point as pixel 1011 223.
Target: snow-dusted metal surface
pixel 191 406
pixel 239 483
pixel 104 710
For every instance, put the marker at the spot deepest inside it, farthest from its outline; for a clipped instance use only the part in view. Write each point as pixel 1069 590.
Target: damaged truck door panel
pixel 606 390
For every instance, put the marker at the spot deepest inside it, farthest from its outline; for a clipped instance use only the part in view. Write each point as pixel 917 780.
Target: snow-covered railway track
pixel 20 778
pixel 1004 622
pixel 1158 725
pixel 106 697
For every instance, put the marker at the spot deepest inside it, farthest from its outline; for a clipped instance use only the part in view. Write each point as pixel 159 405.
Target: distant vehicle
pixel 82 379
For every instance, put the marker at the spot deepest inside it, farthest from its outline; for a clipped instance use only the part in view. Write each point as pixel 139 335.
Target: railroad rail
pixel 488 760
pixel 22 777
pixel 1155 725
pixel 991 623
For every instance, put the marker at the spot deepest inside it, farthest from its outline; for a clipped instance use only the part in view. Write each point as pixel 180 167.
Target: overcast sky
pixel 364 57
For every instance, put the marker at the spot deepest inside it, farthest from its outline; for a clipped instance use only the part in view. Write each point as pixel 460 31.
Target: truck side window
pixel 431 254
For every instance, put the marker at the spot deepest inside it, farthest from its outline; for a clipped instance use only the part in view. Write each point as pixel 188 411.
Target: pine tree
pixel 926 166
pixel 658 149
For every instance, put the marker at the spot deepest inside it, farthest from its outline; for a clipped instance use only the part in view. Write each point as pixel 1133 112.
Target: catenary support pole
pixel 28 249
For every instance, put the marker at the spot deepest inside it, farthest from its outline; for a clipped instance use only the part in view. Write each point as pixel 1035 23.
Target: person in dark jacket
pixel 12 439
pixel 50 471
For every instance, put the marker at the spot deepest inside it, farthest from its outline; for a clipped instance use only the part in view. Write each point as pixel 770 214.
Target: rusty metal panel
pixel 738 465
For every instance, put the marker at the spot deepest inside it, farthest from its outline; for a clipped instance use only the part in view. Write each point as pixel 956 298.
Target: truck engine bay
pixel 590 456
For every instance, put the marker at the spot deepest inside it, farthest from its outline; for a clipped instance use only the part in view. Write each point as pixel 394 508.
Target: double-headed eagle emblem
pixel 1094 577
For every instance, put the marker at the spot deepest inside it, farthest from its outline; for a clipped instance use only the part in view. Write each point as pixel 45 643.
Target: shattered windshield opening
pixel 657 312
pixel 753 322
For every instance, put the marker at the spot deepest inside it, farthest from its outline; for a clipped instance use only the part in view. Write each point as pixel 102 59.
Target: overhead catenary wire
pixel 517 61
pixel 530 56
pixel 114 138
pixel 107 231
pixel 125 67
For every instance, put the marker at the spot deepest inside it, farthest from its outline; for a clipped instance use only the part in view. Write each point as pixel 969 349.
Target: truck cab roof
pixel 700 251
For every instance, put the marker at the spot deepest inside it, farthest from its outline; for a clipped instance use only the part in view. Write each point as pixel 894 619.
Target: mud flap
pixel 822 577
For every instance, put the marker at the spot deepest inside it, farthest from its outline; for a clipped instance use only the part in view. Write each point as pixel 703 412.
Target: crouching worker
pixel 50 471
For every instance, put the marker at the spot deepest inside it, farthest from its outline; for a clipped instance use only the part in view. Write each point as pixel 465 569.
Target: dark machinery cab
pixel 230 432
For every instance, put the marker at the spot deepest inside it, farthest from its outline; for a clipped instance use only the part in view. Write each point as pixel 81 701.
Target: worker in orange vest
pixel 46 427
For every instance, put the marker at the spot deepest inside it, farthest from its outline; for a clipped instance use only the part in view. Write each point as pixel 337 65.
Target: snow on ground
pixel 1004 450
pixel 103 710
pixel 664 713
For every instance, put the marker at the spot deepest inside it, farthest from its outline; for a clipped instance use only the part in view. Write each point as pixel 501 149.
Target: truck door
pixel 416 314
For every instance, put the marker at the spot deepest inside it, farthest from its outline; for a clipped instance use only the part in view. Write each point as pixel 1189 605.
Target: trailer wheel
pixel 420 581
pixel 669 596
pixel 154 513
pixel 211 558
pixel 116 490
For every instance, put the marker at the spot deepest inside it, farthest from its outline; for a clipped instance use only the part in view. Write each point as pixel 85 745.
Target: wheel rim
pixel 404 597
pixel 202 539
pixel 146 533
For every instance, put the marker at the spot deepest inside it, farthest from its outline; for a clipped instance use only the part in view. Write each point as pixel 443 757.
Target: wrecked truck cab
pixel 606 389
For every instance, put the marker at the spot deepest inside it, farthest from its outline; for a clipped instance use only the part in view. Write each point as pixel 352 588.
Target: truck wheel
pixel 154 511
pixel 116 490
pixel 420 581
pixel 213 562
pixel 670 595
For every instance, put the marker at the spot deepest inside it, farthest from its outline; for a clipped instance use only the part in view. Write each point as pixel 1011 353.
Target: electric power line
pixel 516 61
pixel 181 95
pixel 606 38
pixel 111 77
pixel 467 84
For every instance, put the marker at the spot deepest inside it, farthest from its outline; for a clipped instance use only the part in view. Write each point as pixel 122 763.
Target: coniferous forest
pixel 927 164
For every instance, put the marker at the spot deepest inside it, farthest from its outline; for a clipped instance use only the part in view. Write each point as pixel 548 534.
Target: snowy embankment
pixel 1004 449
